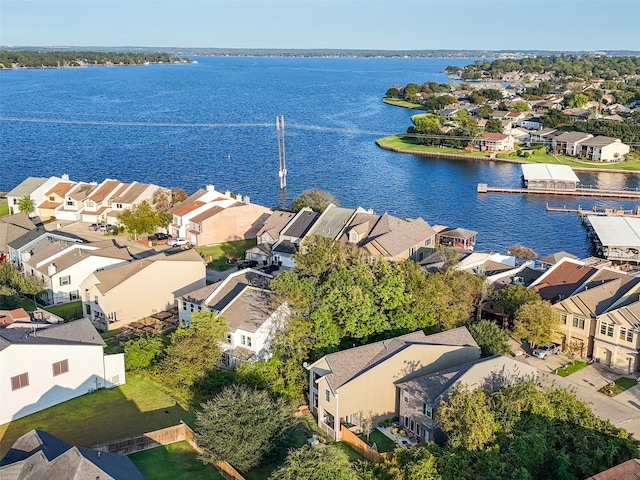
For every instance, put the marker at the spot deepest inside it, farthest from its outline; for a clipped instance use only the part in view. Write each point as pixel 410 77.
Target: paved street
pixel 623 410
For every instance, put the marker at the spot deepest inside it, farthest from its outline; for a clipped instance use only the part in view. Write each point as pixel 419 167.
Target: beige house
pixel 121 295
pixel 97 203
pixel 53 199
pixel 239 221
pixel 268 235
pixel 617 338
pixel 347 386
pixel 420 397
pixel 130 194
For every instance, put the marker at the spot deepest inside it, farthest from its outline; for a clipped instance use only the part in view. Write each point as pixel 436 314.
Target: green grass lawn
pixel 68 311
pixel 27 304
pixel 401 142
pixel 219 254
pixel 383 443
pixel 571 368
pixel 4 208
pixel 397 102
pixel 103 416
pixel 619 386
pixel 176 461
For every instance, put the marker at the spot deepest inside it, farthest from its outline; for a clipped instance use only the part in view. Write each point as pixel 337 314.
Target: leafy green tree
pixel 243 426
pixel 410 90
pixel 162 203
pixel 466 418
pixel 26 205
pixel 193 353
pixel 28 285
pixel 492 339
pixel 538 322
pixel 484 111
pixel 555 118
pixel 393 92
pixel 509 299
pixel 9 298
pixel 321 462
pixel 314 198
pixel 141 352
pixel 519 106
pixel 141 218
pixel 494 125
pixel 578 100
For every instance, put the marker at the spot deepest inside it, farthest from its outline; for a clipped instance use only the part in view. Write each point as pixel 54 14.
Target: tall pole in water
pixel 282 172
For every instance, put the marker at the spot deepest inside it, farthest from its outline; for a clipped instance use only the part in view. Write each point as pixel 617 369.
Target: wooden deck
pixel 579 192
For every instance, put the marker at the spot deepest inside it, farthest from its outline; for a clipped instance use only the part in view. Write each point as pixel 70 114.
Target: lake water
pixel 213 122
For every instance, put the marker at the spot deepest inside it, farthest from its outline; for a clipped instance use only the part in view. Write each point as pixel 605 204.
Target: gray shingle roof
pixel 299 227
pixel 392 236
pixel 250 308
pixel 348 364
pixel 218 295
pixel 38 455
pixel 332 221
pixel 275 223
pixel 78 332
pixel 554 258
pixel 27 186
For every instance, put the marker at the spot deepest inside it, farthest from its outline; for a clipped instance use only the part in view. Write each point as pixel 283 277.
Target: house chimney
pixel 210 188
pixel 247 200
pixel 65 176
pixel 52 270
pixel 238 197
pixel 227 193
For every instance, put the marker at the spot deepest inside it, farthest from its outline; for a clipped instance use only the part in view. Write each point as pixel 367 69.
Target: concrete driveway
pixel 623 410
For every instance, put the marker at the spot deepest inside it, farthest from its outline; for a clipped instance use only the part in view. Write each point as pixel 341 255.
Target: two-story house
pixel 346 386
pixel 21 249
pixel 291 236
pixel 73 204
pixel 420 396
pixel 268 235
pixel 97 204
pixel 238 221
pixel 63 267
pixel 617 337
pixel 126 293
pixel 34 187
pixel 568 143
pixel 131 194
pixel 43 367
pixel 53 199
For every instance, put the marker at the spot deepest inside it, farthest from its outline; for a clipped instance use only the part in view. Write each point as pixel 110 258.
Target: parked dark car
pixel 269 269
pixel 157 237
pixel 246 264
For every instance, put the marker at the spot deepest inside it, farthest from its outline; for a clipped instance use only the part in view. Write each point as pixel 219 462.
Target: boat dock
pixel 578 192
pixel 596 211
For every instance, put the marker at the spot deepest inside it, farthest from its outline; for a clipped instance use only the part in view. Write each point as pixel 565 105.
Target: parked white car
pixel 178 242
pixel 543 351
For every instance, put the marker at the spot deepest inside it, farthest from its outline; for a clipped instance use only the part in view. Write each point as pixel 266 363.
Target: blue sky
pixel 339 24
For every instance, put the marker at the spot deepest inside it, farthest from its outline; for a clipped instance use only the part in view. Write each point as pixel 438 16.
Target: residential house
pixel 421 396
pixel 515 117
pixel 531 123
pixel 25 246
pixel 291 236
pixel 544 136
pixel 63 267
pixel 346 386
pixel 494 142
pixel 249 307
pixel 131 194
pixel 34 187
pixel 616 341
pixel 548 261
pixel 562 279
pixel 194 206
pixel 123 294
pixel 578 114
pixel 73 205
pixel 568 143
pixel 43 367
pixel 38 454
pixel 603 149
pixel 96 205
pixel 53 199
pixel 390 237
pixel 268 235
pixel 239 221
pixel 17 315
pixel 333 221
pixel 500 114
pixel 448 113
pixel 520 135
pixel 626 470
pixel 11 228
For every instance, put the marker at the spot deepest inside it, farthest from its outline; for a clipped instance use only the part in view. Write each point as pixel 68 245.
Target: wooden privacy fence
pixel 164 436
pixel 361 447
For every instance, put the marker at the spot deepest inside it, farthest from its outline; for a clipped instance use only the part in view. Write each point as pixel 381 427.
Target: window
pixel 609 330
pixel 406 421
pixel 184 305
pixel 248 341
pixel 89 204
pixel 52 199
pixel 327 395
pixel 228 337
pixel 427 242
pixel 412 251
pixel 427 410
pixel 95 299
pixel 629 336
pixel 564 318
pixel 626 335
pixel 66 280
pixel 74 295
pixel 412 425
pixel 119 206
pixel 418 429
pixel 243 340
pixel 578 322
pixel 405 396
pixel 20 381
pixel 69 203
pixel 60 367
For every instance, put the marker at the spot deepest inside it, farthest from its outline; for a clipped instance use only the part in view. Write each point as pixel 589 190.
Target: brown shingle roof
pixel 563 280
pixel 392 236
pixel 190 207
pixel 104 190
pixel 624 471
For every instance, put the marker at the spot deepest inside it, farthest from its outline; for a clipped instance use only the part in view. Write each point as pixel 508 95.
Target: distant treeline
pixel 61 59
pixel 577 66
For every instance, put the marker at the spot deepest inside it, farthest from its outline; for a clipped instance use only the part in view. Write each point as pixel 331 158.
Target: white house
pixel 63 267
pixel 98 203
pixel 34 187
pixel 25 246
pixel 73 204
pixel 603 149
pixel 40 368
pixel 132 194
pixel 291 236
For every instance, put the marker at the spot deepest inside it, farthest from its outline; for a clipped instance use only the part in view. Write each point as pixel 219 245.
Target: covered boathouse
pixel 546 176
pixel 617 238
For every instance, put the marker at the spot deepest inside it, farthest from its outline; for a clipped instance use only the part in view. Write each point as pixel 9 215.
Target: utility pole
pixel 282 172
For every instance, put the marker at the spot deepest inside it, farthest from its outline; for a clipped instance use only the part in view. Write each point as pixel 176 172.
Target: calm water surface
pixel 214 123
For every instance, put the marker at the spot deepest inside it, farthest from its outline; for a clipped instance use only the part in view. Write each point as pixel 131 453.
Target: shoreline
pixel 454 156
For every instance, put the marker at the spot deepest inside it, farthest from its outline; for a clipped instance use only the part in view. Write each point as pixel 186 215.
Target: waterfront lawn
pixel 571 368
pixel 383 443
pixel 4 208
pixel 103 416
pixel 409 144
pixel 68 311
pixel 619 386
pixel 176 461
pixel 217 256
pixel 398 102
